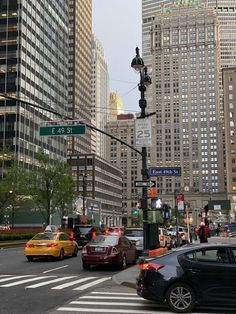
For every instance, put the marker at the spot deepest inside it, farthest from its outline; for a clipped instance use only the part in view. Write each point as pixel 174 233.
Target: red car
pixel 109 250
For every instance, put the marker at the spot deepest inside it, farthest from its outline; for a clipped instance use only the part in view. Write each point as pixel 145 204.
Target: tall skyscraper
pixel 100 94
pixel 186 82
pixel 33 68
pixel 226 12
pixel 80 71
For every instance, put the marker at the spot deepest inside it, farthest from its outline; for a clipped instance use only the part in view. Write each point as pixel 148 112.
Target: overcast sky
pixel 117 24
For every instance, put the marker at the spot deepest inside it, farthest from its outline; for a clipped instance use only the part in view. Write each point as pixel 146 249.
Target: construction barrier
pixel 157 252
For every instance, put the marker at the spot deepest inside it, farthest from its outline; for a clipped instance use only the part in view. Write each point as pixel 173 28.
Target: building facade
pixel 126 159
pixel 34 69
pixel 186 82
pixel 100 94
pixel 97 179
pixel 80 71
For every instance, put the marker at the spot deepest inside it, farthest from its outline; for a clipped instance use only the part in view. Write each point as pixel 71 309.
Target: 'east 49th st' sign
pixel 65 130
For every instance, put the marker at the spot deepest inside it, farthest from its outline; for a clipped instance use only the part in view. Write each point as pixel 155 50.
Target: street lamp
pixel 138 65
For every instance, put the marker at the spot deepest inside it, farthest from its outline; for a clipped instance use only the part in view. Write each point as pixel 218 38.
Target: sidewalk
pixel 127 277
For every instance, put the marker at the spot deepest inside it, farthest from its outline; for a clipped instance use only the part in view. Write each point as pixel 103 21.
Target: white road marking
pixel 48 282
pixel 24 281
pixel 88 285
pixel 116 303
pixel 47 271
pixel 15 277
pixel 119 311
pixel 72 283
pixel 113 293
pixel 111 298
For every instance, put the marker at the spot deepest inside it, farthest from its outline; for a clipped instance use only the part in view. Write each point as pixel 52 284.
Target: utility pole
pixel 145 80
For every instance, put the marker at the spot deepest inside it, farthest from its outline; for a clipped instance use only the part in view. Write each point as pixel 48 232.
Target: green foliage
pixel 52 185
pixel 13 185
pixel 9 236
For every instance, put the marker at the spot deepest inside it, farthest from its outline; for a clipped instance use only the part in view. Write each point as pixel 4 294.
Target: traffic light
pixel 153 192
pixel 135 212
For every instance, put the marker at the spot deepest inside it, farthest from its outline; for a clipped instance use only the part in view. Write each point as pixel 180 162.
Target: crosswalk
pixel 35 281
pixel 112 302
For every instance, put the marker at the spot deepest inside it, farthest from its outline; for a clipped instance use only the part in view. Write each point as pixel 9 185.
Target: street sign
pixel 143 133
pixel 164 171
pixel 180 202
pixel 143 184
pixel 66 130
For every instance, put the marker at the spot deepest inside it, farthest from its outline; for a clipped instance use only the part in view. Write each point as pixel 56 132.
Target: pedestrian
pixel 203 233
pixel 218 230
pixel 225 232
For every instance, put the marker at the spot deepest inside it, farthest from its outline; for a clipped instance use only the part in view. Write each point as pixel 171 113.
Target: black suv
pixel 84 233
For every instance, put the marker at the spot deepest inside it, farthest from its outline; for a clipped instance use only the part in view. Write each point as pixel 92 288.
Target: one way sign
pixel 143 184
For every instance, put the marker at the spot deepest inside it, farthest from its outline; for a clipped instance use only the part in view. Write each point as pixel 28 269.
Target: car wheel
pixel 30 258
pixel 123 264
pixel 86 266
pixel 180 298
pixel 61 255
pixel 75 252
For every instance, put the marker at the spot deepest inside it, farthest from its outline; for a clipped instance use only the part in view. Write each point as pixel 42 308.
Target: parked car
pixel 136 236
pixel 109 250
pixel 204 274
pixel 164 238
pixel 50 244
pixel 113 231
pixel 84 233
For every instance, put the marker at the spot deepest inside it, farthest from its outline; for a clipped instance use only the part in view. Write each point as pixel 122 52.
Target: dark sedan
pixel 109 250
pixel 186 277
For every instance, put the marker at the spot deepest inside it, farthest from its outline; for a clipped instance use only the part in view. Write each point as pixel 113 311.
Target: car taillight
pixel 51 244
pixel 94 234
pixel 72 235
pixel 29 245
pixel 84 250
pixel 150 266
pixel 114 251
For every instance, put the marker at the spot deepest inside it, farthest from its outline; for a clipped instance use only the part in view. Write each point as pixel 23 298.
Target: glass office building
pixel 33 69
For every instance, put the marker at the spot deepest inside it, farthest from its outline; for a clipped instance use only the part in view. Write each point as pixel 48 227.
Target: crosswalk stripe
pixel 88 285
pixel 15 277
pixel 48 282
pixel 115 303
pixel 112 293
pixel 24 281
pixel 89 310
pixel 72 283
pixel 111 298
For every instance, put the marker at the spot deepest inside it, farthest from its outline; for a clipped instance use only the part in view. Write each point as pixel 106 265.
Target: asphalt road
pixel 42 286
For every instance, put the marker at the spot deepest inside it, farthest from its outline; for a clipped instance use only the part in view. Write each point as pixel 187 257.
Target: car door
pixel 210 275
pixel 128 248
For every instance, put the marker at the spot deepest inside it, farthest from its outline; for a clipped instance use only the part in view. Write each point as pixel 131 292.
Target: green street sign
pixel 65 130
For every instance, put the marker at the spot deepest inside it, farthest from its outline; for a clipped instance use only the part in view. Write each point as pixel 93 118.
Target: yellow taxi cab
pixel 50 244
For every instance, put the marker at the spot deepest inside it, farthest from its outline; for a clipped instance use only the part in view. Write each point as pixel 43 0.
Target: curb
pixel 9 245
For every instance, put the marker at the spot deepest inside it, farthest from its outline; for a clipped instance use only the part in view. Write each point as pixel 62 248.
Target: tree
pixel 53 186
pixel 13 188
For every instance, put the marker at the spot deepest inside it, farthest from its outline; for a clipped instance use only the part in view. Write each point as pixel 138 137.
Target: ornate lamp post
pixel 138 65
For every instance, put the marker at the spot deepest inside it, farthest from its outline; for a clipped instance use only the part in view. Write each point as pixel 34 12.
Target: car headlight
pixel 138 242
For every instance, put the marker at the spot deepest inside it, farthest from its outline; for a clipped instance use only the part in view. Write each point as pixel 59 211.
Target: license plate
pixel 98 249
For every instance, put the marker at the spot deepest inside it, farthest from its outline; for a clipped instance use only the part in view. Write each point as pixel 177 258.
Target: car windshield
pixel 84 230
pixel 133 233
pixel 110 240
pixel 45 236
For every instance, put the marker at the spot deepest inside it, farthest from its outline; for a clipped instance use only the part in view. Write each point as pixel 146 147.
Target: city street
pixel 55 287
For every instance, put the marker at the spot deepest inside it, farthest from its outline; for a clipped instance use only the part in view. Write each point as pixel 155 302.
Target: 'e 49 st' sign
pixel 164 171
pixel 62 130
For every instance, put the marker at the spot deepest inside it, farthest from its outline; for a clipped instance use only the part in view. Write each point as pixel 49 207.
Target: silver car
pixel 135 235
